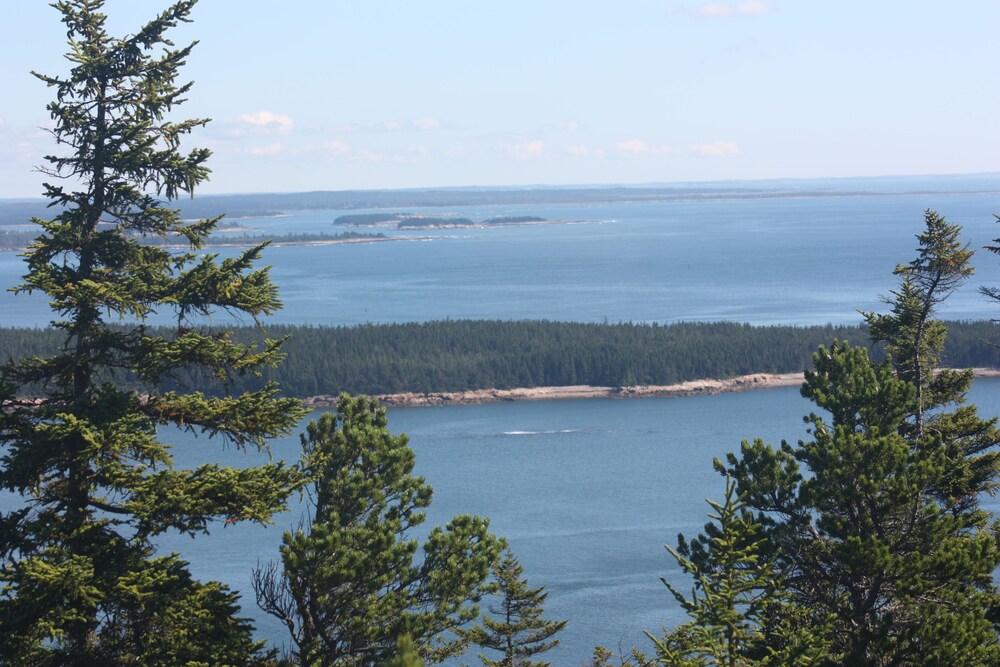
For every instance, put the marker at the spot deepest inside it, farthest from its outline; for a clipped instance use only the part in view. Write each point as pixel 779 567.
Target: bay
pixel 795 259
pixel 587 492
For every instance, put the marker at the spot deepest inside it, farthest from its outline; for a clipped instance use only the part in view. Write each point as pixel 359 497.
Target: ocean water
pixel 587 492
pixel 789 260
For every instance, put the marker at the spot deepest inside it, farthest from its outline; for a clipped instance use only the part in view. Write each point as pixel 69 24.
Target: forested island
pixel 468 355
pixel 412 221
pixel 20 240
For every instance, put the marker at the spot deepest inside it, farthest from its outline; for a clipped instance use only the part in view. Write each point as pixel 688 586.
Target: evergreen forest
pixel 864 543
pixel 462 355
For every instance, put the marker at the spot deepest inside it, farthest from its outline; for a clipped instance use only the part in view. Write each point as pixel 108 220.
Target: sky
pixel 362 94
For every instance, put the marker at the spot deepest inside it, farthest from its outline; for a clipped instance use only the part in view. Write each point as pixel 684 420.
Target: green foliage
pixel 914 341
pixel 738 607
pixel 420 221
pixel 992 292
pixel 406 655
pixel 350 585
pixel 457 355
pixel 517 629
pixel 80 581
pixel 604 657
pixel 362 219
pixel 875 521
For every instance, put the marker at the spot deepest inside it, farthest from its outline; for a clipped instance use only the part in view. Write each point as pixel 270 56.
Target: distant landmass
pixel 270 204
pixel 411 221
pixel 475 355
pixel 18 240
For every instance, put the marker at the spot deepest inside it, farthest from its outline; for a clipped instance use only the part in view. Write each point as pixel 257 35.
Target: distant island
pixel 412 221
pixel 243 240
pixel 265 205
pixel 20 240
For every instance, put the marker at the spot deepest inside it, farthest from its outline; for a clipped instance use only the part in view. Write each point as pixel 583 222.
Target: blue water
pixel 808 260
pixel 587 492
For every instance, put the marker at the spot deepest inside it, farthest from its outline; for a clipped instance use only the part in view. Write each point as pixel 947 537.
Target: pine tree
pixel 349 585
pixel 82 584
pixel 738 606
pixel 517 629
pixel 876 518
pixel 992 292
pixel 406 655
pixel 913 339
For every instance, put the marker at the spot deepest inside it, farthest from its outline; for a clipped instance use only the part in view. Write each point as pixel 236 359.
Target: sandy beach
pixel 753 382
pixel 691 388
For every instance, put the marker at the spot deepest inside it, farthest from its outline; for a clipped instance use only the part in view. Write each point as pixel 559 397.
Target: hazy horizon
pixel 737 182
pixel 357 96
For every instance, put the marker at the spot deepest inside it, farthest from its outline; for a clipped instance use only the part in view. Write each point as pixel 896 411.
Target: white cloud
pixel 337 147
pixel 637 147
pixel 267 120
pixel 716 149
pixel 427 123
pixel 527 150
pixel 422 124
pixel 716 10
pixel 570 125
pixel 584 151
pixel 270 149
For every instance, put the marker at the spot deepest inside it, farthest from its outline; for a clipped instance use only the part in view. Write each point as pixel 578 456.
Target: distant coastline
pixel 247 241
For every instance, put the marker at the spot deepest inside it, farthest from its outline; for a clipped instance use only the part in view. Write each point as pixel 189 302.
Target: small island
pixel 413 221
pixel 17 240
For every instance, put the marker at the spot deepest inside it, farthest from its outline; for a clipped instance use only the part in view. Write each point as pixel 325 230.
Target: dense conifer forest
pixel 460 355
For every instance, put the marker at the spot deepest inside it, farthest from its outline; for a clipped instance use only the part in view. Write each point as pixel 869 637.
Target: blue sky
pixel 342 94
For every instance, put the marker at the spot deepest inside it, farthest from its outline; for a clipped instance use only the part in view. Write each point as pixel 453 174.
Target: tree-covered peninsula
pixel 463 355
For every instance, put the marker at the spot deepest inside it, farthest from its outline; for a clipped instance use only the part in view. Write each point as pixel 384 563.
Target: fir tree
pixel 739 608
pixel 517 629
pixel 349 585
pixel 876 518
pixel 81 582
pixel 406 655
pixel 992 292
pixel 913 339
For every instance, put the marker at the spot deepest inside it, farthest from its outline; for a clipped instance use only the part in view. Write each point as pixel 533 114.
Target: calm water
pixel 795 260
pixel 587 492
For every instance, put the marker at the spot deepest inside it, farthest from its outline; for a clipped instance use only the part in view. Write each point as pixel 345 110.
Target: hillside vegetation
pixel 460 355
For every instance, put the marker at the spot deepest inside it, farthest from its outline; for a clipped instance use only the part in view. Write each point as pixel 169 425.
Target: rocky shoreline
pixel 477 396
pixel 750 382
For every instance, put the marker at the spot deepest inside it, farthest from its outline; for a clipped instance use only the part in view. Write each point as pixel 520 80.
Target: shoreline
pixel 706 387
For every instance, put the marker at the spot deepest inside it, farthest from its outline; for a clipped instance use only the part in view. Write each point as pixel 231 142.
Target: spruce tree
pixel 89 460
pixel 517 629
pixel 875 519
pixel 992 292
pixel 739 609
pixel 350 584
